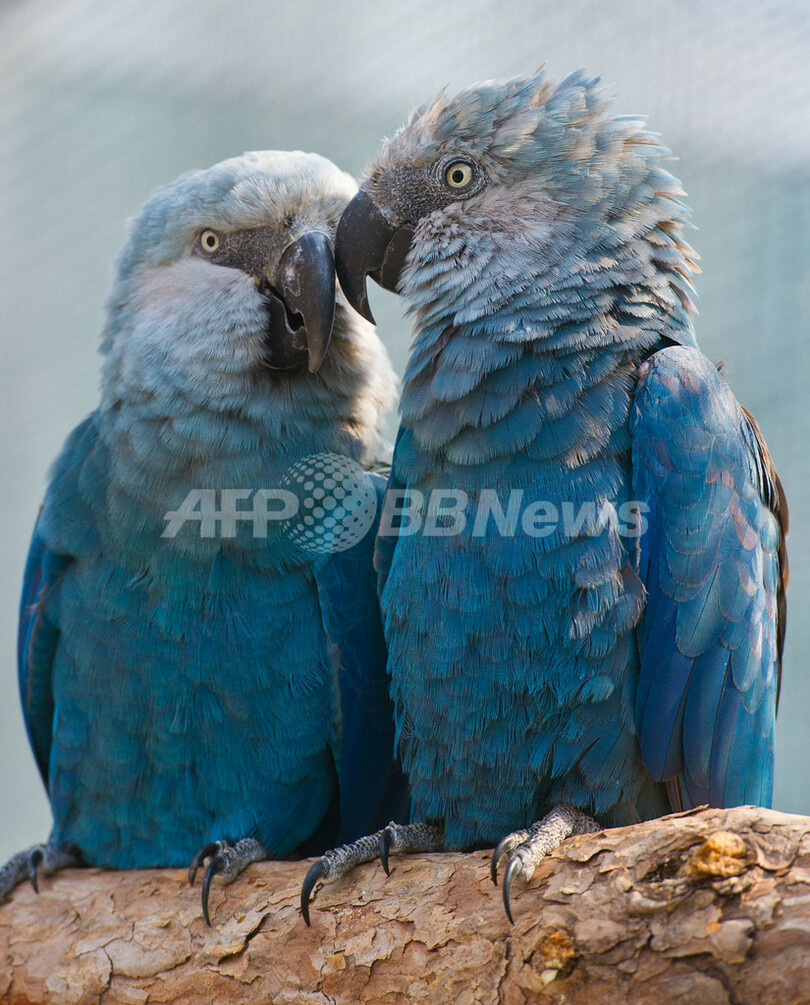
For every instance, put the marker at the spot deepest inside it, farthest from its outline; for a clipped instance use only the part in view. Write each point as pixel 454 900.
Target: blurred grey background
pixel 103 100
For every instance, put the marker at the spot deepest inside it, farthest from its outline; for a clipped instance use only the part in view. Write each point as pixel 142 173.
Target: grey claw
pixel 34 862
pixel 514 868
pixel 497 855
pixel 214 866
pixel 385 848
pixel 205 852
pixel 316 871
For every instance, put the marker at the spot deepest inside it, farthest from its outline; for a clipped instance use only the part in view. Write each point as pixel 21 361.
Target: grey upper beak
pixel 302 304
pixel 306 281
pixel 368 245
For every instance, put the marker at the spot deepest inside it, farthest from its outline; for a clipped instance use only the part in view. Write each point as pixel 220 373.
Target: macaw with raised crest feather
pixel 219 696
pixel 548 683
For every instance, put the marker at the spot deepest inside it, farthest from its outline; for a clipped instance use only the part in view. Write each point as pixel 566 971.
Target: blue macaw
pixel 610 649
pixel 211 687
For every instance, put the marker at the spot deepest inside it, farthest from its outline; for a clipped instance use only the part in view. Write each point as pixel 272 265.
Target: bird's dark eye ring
pixel 209 241
pixel 459 175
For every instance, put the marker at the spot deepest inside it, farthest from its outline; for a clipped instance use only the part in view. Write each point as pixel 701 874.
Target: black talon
pixel 497 855
pixel 316 871
pixel 34 862
pixel 512 870
pixel 214 866
pixel 385 848
pixel 205 852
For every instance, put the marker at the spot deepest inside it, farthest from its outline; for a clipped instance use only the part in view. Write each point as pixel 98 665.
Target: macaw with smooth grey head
pixel 212 694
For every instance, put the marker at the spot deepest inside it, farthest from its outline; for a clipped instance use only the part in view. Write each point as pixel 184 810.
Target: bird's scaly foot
pixel 525 848
pixel 38 860
pixel 226 859
pixel 395 837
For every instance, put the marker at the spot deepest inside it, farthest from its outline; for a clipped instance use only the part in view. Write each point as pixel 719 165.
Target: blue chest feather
pixel 194 688
pixel 511 647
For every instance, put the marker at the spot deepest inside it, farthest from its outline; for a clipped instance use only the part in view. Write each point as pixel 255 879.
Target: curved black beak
pixel 368 245
pixel 302 304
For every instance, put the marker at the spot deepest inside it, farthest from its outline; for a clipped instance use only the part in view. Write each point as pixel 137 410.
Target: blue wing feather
pixel 38 636
pixel 36 644
pixel 715 570
pixel 372 787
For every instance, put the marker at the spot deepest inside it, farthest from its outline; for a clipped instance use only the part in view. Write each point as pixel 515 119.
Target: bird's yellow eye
pixel 458 175
pixel 209 241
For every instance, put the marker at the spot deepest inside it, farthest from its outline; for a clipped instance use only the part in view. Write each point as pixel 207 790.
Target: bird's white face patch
pixel 188 336
pixel 200 322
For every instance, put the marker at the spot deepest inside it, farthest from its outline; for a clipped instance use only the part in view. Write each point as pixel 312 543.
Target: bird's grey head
pixel 226 287
pixel 531 174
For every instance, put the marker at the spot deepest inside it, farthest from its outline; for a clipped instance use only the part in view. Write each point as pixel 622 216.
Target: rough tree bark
pixel 704 908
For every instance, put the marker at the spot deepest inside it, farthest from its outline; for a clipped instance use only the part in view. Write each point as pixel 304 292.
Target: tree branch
pixel 709 907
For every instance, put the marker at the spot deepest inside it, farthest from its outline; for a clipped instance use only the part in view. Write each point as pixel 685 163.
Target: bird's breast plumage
pixel 512 653
pixel 194 686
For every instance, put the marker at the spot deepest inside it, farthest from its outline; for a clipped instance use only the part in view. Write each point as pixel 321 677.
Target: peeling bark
pixel 703 908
